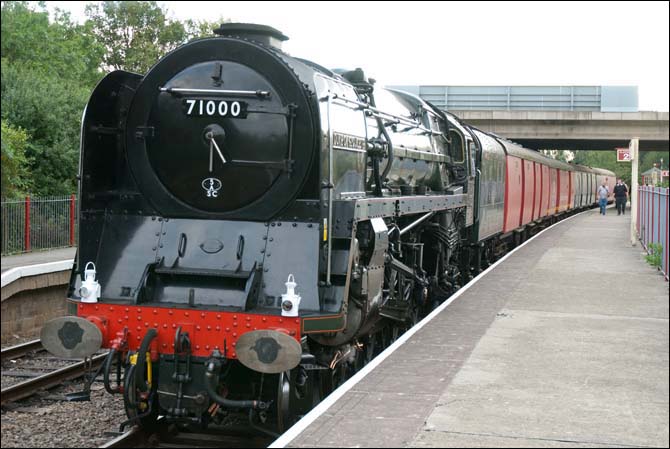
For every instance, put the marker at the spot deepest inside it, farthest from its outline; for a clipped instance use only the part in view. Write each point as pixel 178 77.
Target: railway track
pixel 165 435
pixel 135 437
pixel 47 380
pixel 168 435
pixel 17 351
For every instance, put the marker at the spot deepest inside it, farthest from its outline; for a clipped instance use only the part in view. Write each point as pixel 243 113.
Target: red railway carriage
pixel 528 198
pixel 535 186
pixel 537 193
pixel 513 192
pixel 524 187
pixel 553 191
pixel 564 187
pixel 545 191
pixel 533 191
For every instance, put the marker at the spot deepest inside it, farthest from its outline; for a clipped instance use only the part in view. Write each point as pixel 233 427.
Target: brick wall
pixel 29 302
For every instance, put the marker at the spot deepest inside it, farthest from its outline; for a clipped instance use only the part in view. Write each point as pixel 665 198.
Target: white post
pixel 634 143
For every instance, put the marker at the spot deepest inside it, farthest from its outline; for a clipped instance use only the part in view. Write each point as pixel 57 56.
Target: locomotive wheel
pixel 413 317
pixel 371 348
pixel 333 378
pixel 284 417
pixel 387 336
pixel 298 391
pixel 395 333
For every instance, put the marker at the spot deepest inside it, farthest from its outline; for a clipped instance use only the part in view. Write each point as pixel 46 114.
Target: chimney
pixel 262 34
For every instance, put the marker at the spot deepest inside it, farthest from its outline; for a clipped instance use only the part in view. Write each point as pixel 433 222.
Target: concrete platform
pixel 37 257
pixel 564 344
pixel 34 288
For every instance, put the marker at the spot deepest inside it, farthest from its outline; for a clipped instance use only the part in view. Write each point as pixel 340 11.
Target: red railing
pixel 652 221
pixel 38 223
pixel 72 218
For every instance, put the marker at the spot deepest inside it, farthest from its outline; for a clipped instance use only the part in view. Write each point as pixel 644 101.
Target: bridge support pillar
pixel 634 198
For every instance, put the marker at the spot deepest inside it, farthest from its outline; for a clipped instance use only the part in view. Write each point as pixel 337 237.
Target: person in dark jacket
pixel 620 196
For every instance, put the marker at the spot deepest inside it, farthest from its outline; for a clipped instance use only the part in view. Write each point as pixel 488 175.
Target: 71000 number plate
pixel 212 108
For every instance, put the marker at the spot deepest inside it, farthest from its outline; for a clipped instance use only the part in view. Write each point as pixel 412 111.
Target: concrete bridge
pixel 574 130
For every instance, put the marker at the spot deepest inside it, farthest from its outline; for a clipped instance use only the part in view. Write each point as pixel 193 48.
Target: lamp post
pixel 633 145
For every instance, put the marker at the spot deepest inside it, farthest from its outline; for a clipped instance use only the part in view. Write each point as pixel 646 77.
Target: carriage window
pixel 457 153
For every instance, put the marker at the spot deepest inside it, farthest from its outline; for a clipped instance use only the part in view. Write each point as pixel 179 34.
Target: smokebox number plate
pixel 215 108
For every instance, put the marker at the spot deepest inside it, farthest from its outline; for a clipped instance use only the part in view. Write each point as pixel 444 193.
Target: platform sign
pixel 623 155
pixel 665 173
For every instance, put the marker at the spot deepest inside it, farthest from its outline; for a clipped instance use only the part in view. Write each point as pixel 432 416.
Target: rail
pixel 29 387
pixel 135 437
pixel 164 435
pixel 17 351
pixel 38 223
pixel 652 222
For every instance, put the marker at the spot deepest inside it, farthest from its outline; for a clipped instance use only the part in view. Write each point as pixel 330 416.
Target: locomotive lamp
pixel 90 288
pixel 290 302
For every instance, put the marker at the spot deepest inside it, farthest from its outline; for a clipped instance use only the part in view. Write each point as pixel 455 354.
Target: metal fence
pixel 38 223
pixel 652 221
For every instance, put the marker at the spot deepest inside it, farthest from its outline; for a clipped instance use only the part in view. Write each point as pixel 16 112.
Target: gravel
pixel 43 421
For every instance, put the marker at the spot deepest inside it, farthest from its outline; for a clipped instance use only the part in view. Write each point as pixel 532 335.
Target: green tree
pixel 49 68
pixel 14 162
pixel 607 160
pixel 134 34
pixel 49 108
pixel 604 159
pixel 60 47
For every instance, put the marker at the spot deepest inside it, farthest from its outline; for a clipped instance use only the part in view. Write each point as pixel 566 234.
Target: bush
pixel 655 254
pixel 15 180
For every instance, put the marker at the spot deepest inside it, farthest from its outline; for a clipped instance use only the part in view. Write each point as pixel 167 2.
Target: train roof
pixel 514 149
pixel 602 171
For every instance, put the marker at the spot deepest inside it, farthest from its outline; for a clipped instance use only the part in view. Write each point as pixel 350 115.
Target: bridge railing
pixel 652 221
pixel 38 223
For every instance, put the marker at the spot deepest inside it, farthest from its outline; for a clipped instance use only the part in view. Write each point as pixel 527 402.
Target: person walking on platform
pixel 603 193
pixel 620 196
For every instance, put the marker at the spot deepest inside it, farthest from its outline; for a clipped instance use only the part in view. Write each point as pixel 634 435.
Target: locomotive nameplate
pixel 214 108
pixel 348 142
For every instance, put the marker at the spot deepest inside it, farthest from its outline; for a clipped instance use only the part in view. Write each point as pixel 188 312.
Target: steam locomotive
pixel 255 227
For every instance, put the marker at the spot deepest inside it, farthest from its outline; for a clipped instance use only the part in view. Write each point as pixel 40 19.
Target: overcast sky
pixel 469 43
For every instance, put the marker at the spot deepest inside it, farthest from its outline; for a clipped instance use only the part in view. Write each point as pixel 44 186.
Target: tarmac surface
pixel 37 257
pixel 564 344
